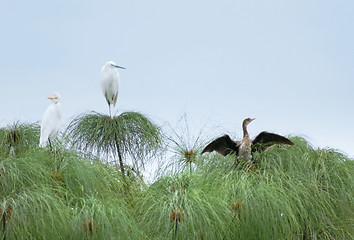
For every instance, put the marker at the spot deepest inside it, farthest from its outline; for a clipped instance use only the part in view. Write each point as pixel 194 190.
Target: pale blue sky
pixel 289 64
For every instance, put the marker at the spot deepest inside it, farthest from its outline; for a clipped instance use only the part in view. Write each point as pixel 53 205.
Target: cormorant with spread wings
pixel 246 147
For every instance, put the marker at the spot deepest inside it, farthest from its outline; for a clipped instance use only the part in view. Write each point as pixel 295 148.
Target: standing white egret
pixel 51 121
pixel 109 80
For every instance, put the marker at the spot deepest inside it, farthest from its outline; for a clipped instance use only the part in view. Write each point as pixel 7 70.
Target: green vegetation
pixel 130 133
pixel 295 192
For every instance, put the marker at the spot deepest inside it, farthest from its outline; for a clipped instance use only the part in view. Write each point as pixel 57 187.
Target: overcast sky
pixel 289 64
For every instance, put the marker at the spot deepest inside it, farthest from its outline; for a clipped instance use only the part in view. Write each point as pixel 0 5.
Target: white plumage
pixel 51 121
pixel 109 81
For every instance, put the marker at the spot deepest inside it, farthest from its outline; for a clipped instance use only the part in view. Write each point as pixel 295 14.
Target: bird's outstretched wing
pixel 223 145
pixel 264 140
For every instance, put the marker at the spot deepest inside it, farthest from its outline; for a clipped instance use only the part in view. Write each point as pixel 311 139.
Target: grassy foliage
pixel 184 206
pixel 18 138
pixel 184 145
pixel 130 134
pixel 294 192
pixel 61 196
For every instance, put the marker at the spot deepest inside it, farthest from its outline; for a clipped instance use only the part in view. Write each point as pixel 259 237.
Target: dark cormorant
pixel 246 147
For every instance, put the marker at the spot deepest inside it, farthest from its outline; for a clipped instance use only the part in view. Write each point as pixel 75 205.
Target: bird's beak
pixel 252 119
pixel 116 66
pixel 51 98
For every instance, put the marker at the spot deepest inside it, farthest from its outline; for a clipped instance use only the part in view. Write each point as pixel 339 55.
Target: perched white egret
pixel 51 121
pixel 109 80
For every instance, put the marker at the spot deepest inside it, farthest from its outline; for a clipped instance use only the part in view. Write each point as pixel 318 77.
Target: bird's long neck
pixel 245 133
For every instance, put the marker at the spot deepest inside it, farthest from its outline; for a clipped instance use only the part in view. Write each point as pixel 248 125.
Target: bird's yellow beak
pixel 51 98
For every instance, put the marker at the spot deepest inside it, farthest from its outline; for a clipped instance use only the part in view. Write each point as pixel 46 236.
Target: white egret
pixel 109 80
pixel 51 121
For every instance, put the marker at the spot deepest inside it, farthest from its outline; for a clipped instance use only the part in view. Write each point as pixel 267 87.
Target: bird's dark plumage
pixel 265 140
pixel 225 145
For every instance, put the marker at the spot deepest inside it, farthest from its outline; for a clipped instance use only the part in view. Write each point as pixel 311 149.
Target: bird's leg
pixel 109 106
pixel 50 145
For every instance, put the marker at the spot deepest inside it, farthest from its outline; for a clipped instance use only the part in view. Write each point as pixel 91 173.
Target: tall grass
pixel 184 206
pixel 60 195
pixel 18 137
pixel 51 202
pixel 130 134
pixel 184 146
pixel 291 192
